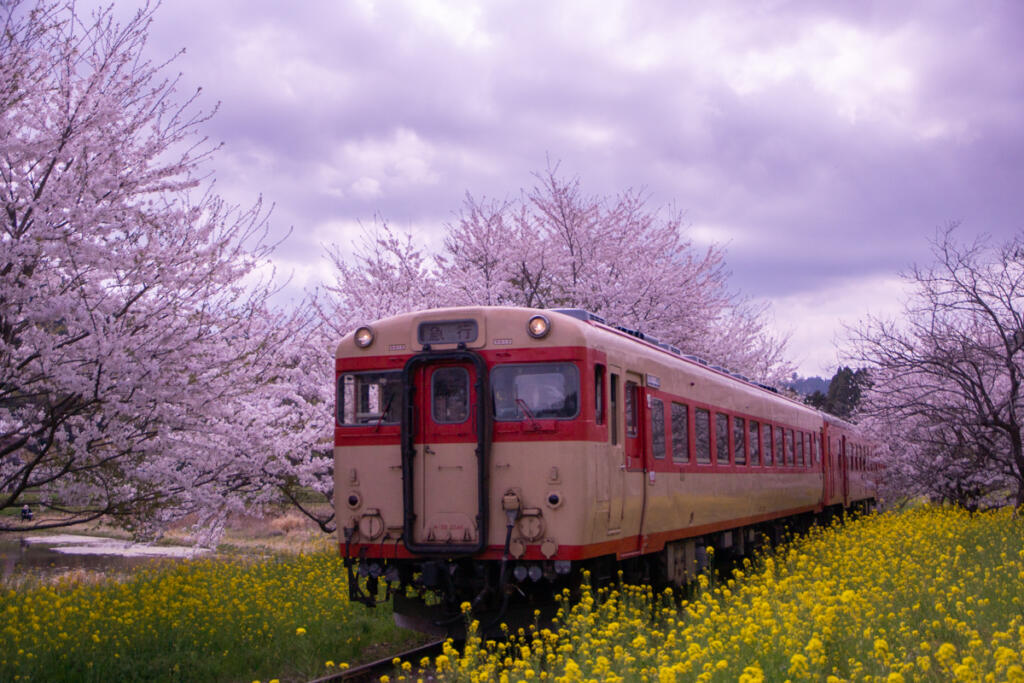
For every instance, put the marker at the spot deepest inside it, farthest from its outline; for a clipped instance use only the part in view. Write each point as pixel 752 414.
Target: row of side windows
pixel 752 442
pixel 747 441
pixel 860 456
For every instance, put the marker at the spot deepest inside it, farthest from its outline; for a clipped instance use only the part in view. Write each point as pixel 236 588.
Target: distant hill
pixel 805 386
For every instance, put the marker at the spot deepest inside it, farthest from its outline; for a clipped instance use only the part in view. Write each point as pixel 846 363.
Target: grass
pixel 205 620
pixel 271 603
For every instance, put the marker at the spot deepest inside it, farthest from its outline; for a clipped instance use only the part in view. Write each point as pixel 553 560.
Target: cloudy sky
pixel 821 143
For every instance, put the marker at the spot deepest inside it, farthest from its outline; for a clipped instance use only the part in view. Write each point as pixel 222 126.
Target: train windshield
pixel 369 398
pixel 538 390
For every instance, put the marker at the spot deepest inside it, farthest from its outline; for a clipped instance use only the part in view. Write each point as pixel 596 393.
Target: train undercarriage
pixel 430 594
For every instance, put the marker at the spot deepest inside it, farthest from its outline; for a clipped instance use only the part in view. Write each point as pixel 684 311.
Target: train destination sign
pixel 447 332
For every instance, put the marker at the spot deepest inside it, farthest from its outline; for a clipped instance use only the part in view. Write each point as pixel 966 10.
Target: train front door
pixel 445 464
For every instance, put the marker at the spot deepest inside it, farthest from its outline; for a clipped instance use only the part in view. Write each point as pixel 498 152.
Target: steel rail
pixel 371 671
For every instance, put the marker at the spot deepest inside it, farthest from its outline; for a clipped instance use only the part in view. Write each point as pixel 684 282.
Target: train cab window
pixel 535 391
pixel 449 395
pixel 631 406
pixel 680 433
pixel 657 429
pixel 599 394
pixel 739 431
pixel 766 444
pixel 702 427
pixel 721 439
pixel 755 443
pixel 613 405
pixel 369 398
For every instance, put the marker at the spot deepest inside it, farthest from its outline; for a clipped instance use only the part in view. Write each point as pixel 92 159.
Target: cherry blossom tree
pixel 143 372
pixel 554 247
pixel 386 273
pixel 616 257
pixel 946 395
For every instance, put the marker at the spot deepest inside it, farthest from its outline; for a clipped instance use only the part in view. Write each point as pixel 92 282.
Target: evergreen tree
pixel 844 393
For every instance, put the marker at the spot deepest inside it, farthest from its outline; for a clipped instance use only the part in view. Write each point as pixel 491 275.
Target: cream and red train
pixel 485 450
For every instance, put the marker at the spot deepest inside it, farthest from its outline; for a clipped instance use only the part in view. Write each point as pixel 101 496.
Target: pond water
pixel 59 553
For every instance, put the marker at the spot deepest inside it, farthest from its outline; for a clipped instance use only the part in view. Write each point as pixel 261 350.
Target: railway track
pixel 372 671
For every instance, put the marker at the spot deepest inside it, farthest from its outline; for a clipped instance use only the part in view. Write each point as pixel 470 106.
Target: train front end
pixel 454 431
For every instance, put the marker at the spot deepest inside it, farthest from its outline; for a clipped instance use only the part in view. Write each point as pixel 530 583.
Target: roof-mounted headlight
pixel 538 326
pixel 364 337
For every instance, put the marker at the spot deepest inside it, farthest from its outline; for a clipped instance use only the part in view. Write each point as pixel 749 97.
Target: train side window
pixel 657 429
pixel 780 455
pixel 800 438
pixel 739 431
pixel 790 448
pixel 721 439
pixel 449 395
pixel 599 394
pixel 814 449
pixel 680 433
pixel 766 444
pixel 755 443
pixel 702 427
pixel 631 409
pixel 613 405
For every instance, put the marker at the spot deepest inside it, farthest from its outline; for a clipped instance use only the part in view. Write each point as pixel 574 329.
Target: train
pixel 488 452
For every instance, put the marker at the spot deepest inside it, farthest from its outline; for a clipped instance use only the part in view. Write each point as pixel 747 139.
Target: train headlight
pixel 538 326
pixel 364 337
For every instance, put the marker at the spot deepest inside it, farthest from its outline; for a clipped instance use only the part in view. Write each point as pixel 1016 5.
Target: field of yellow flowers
pixel 928 594
pixel 206 620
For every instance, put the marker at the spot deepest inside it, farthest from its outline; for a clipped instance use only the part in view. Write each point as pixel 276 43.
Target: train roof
pixel 650 340
pixel 586 319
